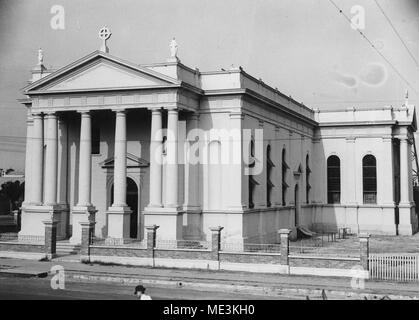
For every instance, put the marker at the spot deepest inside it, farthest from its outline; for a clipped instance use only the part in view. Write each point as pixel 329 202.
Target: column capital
pixel 50 114
pixel 120 112
pixel 155 109
pixel 172 110
pixel 37 115
pixel 84 112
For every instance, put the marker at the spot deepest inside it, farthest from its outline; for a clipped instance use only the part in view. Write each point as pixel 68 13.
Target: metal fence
pixel 182 244
pixel 13 237
pixel 396 267
pixel 134 243
pixel 250 247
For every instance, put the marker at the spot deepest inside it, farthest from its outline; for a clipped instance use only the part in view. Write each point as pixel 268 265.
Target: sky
pixel 306 48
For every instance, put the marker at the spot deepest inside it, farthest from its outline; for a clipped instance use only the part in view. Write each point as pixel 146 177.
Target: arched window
pixel 369 179
pixel 308 186
pixel 333 179
pixel 285 168
pixel 269 170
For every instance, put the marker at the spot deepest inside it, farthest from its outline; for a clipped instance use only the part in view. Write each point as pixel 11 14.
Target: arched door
pixel 132 202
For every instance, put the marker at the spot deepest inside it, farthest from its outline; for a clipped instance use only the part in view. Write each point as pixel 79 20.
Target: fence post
pixel 216 242
pixel 87 229
pixel 151 241
pixel 50 241
pixel 364 249
pixel 284 246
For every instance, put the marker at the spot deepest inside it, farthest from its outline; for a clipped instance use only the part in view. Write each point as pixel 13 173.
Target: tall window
pixel 252 182
pixel 95 137
pixel 333 179
pixel 285 168
pixel 308 186
pixel 369 178
pixel 269 170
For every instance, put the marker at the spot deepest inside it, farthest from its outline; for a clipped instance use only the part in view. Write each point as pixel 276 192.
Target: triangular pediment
pixel 132 162
pixel 100 71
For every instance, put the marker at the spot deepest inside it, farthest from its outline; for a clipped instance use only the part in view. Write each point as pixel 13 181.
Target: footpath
pixel 256 284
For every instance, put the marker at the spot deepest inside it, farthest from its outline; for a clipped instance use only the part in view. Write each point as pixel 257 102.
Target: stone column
pixel 404 171
pixel 120 160
pixel 119 212
pixel 51 160
pixel 284 246
pixel 406 210
pixel 364 239
pixel 84 211
pixel 156 159
pixel 50 238
pixel 192 165
pixel 28 159
pixel 237 184
pixel 385 186
pixel 215 242
pixel 171 191
pixel 85 160
pixel 37 159
pixel 62 200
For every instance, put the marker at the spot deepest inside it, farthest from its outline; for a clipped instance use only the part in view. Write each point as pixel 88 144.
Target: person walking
pixel 140 293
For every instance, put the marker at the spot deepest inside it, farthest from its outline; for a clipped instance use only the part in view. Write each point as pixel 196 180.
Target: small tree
pixel 14 192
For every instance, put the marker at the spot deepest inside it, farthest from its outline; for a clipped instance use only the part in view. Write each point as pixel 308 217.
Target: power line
pixel 397 33
pixel 376 50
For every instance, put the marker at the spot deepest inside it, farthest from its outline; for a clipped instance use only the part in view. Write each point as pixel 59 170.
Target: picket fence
pixel 394 267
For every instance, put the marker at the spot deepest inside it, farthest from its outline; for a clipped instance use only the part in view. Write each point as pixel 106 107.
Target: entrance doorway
pixel 132 202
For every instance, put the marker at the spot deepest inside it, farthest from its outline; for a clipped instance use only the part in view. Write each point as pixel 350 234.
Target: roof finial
pixel 40 57
pixel 406 102
pixel 173 51
pixel 104 34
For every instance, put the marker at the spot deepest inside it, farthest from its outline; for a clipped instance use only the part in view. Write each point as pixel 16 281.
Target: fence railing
pixel 182 244
pixel 8 237
pixel 135 243
pixel 250 247
pixel 396 267
pixel 13 237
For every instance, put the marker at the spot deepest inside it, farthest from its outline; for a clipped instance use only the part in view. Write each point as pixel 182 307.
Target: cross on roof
pixel 104 34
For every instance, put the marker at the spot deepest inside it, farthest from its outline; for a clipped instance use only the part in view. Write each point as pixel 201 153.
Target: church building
pixel 128 145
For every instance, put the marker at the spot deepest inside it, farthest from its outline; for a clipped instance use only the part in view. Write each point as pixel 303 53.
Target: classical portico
pixel 100 83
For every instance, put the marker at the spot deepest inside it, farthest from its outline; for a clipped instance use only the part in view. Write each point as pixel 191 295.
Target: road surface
pixel 16 288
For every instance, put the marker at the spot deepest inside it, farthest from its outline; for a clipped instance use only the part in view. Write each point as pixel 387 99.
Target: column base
pixel 407 219
pixel 81 214
pixel 169 220
pixel 119 222
pixel 32 225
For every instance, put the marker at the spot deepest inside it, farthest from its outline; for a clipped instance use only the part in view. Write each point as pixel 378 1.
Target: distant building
pixel 94 150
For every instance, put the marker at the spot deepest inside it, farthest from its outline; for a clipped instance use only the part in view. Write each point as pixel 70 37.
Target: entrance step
pixel 67 248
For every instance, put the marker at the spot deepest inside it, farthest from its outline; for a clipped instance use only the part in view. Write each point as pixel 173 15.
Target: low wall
pixel 22 250
pixel 376 219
